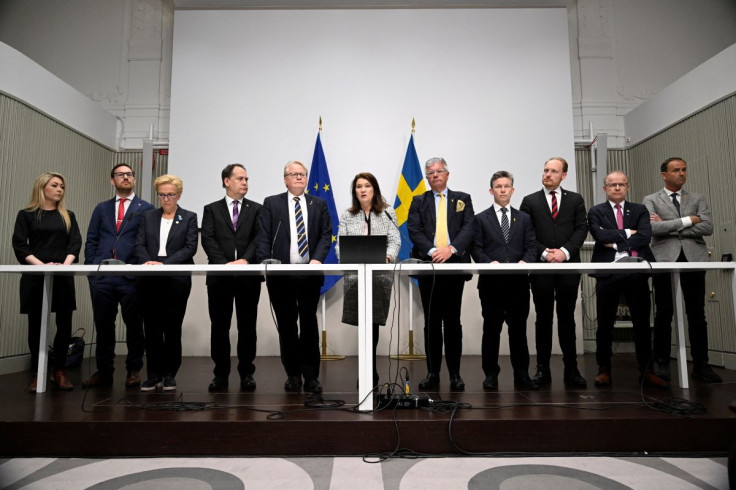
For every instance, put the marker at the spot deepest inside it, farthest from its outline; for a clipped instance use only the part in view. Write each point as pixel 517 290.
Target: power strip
pixel 420 400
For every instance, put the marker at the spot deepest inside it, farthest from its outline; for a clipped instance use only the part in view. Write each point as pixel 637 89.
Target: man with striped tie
pixel 295 228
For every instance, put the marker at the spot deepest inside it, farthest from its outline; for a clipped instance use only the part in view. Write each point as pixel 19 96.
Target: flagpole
pixel 411 356
pixel 325 356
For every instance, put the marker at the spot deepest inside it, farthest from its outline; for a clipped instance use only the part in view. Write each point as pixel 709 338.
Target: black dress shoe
pixel 704 372
pixel 457 383
pixel 247 383
pixel 490 383
pixel 312 385
pixel 217 384
pixel 431 382
pixel 662 369
pixel 293 383
pixel 543 377
pixel 573 379
pixel 524 382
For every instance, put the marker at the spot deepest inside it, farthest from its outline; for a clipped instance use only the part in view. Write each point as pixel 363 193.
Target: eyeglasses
pixel 120 175
pixel 166 196
pixel 435 172
pixel 616 185
pixel 297 175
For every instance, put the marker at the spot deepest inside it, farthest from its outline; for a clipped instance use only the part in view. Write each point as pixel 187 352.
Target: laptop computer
pixel 363 249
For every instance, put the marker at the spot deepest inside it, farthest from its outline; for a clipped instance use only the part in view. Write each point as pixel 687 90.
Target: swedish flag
pixel 320 185
pixel 411 183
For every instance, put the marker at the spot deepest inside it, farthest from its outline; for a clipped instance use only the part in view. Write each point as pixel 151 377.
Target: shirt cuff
pixel 686 222
pixel 567 254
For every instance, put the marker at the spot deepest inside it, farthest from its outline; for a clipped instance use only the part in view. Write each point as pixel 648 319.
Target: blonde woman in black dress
pixel 46 233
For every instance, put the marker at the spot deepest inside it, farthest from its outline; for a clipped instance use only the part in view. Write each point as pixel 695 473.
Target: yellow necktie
pixel 441 238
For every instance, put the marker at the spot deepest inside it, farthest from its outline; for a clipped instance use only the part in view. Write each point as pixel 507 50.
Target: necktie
pixel 441 238
pixel 620 224
pixel 555 211
pixel 121 213
pixel 301 230
pixel 505 224
pixel 676 203
pixel 235 215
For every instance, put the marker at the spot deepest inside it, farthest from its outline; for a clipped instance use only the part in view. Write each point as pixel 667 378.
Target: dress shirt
pixel 625 253
pixel 163 235
pixel 686 221
pixel 499 214
pixel 126 204
pixel 294 255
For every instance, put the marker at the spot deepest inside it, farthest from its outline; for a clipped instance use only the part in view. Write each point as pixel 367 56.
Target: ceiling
pixel 362 4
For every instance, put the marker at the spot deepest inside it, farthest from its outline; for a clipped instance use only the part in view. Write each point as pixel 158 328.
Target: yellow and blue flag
pixel 320 185
pixel 411 183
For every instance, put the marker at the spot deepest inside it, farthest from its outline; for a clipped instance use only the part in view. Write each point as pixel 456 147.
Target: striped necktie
pixel 505 224
pixel 555 210
pixel 301 230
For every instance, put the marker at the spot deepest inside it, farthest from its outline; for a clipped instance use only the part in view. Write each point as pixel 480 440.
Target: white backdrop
pixel 249 86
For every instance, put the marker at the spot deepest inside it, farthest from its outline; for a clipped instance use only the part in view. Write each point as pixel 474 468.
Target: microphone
pixel 403 236
pixel 115 261
pixel 630 258
pixel 272 260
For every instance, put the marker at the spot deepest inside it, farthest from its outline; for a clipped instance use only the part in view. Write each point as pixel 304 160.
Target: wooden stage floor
pixel 116 421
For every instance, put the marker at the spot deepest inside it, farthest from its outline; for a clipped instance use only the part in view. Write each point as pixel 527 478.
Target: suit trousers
pixel 442 298
pixel 562 289
pixel 635 289
pixel 245 293
pixel 295 300
pixel 693 293
pixel 505 299
pixel 107 292
pixel 164 305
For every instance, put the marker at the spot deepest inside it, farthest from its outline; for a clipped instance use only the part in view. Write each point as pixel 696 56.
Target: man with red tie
pixel 111 234
pixel 621 229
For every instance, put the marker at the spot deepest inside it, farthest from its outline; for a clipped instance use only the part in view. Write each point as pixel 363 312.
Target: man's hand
pixel 555 255
pixel 315 261
pixel 442 255
pixel 695 219
pixel 654 218
pixel 238 262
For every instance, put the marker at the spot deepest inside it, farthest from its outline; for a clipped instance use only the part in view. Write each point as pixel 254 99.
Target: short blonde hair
pixel 169 179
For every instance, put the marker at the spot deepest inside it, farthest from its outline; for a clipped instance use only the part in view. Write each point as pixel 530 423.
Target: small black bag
pixel 75 352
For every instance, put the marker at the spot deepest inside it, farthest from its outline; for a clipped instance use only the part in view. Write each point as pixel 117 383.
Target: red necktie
pixel 555 211
pixel 121 213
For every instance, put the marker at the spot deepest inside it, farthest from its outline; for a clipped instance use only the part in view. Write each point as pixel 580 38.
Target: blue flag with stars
pixel 320 185
pixel 411 183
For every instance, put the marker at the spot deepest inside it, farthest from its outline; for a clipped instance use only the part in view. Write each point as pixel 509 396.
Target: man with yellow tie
pixel 441 228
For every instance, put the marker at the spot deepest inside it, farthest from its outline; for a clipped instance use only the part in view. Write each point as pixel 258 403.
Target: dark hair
pixel 502 174
pixel 564 163
pixel 378 205
pixel 112 172
pixel 227 172
pixel 666 163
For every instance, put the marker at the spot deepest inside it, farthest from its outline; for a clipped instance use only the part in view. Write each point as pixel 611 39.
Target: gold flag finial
pixel 320 124
pixel 413 124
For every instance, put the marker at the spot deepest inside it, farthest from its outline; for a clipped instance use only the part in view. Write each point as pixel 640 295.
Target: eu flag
pixel 411 183
pixel 320 185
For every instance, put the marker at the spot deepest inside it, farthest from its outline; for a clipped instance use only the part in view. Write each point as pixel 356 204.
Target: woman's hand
pixel 153 262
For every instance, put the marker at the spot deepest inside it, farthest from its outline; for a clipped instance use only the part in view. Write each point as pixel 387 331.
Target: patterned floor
pixel 570 473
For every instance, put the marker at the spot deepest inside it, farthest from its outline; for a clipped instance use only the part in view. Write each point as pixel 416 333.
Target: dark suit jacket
pixel 422 224
pixel 220 241
pixel 102 235
pixel 489 244
pixel 181 244
pixel 274 237
pixel 568 231
pixel 602 225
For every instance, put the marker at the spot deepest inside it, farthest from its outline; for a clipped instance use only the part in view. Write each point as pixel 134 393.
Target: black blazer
pixel 568 231
pixel 274 237
pixel 602 224
pixel 181 244
pixel 220 241
pixel 422 224
pixel 489 244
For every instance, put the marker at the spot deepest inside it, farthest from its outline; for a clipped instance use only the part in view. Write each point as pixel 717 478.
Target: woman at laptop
pixel 369 215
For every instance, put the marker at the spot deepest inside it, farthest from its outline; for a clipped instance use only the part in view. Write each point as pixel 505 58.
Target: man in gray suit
pixel 680 219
